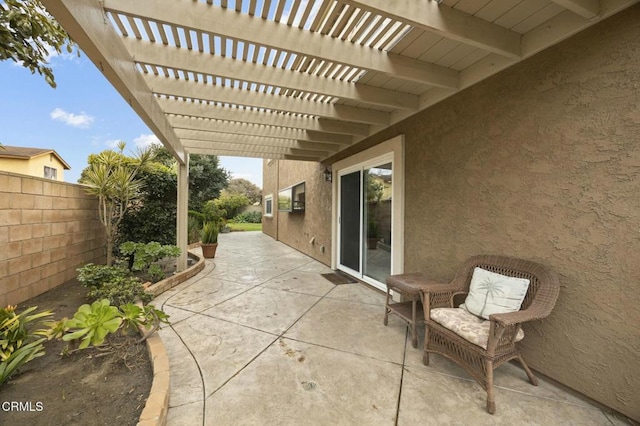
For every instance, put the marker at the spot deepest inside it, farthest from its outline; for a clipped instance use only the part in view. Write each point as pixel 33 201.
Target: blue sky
pixel 83 115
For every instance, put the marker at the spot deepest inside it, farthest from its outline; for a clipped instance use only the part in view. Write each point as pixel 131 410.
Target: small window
pixel 292 199
pixel 268 205
pixel 50 173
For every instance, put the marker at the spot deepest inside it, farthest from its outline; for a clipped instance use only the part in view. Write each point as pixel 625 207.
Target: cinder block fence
pixel 47 230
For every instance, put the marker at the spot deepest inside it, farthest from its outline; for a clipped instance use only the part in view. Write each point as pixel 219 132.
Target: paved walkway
pixel 260 338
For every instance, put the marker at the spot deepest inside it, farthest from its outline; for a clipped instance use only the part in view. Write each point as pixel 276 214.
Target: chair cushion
pixel 466 325
pixel 491 293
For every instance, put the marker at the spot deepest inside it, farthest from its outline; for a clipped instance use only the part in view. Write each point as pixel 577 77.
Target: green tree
pixel 231 204
pixel 111 177
pixel 27 33
pixel 160 154
pixel 245 187
pixel 206 180
pixel 153 216
pixel 206 177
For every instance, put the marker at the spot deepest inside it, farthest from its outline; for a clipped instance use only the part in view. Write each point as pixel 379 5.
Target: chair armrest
pixel 436 295
pixel 513 318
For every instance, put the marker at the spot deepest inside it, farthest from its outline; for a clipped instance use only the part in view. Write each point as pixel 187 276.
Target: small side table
pixel 410 310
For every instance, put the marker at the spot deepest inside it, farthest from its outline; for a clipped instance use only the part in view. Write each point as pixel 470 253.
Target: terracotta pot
pixel 372 243
pixel 209 250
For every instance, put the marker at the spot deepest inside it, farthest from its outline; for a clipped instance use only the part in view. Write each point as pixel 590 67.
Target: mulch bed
pixel 87 387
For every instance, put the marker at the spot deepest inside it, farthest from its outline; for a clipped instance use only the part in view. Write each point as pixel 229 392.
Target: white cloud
pixel 112 143
pixel 143 141
pixel 81 120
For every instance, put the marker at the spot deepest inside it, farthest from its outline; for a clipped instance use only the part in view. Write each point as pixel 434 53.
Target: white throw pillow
pixel 492 293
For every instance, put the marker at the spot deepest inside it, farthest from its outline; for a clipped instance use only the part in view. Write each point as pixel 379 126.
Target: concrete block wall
pixel 47 230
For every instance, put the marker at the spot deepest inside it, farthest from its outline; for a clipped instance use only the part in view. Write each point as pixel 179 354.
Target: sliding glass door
pixel 365 221
pixel 350 185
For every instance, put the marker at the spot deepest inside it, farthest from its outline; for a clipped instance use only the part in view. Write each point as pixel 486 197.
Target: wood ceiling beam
pixel 217 93
pixel 258 141
pixel 192 60
pixel 266 156
pixel 225 149
pixel 240 128
pixel 87 25
pixel 588 9
pixel 447 22
pixel 201 17
pixel 267 118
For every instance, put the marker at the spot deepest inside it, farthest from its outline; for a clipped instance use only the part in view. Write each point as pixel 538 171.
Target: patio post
pixel 183 212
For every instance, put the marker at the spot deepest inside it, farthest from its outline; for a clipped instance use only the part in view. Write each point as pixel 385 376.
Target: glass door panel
pixel 377 221
pixel 350 220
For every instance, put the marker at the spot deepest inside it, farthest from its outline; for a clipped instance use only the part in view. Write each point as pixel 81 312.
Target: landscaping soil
pixel 87 387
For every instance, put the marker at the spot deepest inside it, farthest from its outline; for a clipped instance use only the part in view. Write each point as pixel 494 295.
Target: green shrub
pixel 212 212
pixel 120 291
pixel 193 229
pixel 248 217
pixel 231 204
pixel 144 257
pixel 91 275
pixel 154 217
pixel 21 338
pixel 155 273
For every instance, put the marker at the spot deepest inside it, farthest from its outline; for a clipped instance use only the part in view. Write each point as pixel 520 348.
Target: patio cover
pixel 304 79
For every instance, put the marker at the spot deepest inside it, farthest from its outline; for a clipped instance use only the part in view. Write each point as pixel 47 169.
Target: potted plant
pixel 210 239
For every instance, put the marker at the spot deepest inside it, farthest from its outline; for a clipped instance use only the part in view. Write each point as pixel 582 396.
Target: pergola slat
pixel 447 22
pixel 249 129
pixel 198 16
pixel 197 109
pixel 190 90
pixel 167 56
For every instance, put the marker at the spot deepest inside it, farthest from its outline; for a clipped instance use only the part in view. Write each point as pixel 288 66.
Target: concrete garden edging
pixel 157 405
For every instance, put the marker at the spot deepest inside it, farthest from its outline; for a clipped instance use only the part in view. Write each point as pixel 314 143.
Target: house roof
pixel 25 153
pixel 305 79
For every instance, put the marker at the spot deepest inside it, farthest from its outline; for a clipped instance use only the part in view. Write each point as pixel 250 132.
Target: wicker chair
pixel 504 328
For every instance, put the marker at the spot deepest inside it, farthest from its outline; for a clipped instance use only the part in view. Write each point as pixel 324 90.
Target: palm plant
pixel 113 181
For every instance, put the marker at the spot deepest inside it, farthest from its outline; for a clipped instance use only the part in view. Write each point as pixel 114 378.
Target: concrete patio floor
pixel 260 338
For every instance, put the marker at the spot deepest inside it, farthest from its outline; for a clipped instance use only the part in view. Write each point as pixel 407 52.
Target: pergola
pixel 303 79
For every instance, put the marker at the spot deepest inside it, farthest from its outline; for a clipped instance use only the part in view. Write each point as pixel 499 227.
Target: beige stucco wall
pixel 541 161
pixel 33 166
pixel 47 230
pixel 299 229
